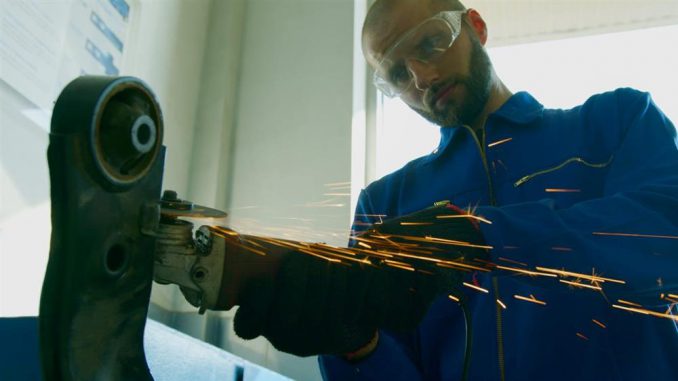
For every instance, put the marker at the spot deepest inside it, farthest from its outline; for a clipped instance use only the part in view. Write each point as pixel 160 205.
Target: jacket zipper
pixel 500 330
pixel 495 281
pixel 529 177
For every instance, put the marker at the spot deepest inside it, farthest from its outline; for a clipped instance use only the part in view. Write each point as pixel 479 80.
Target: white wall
pixel 24 206
pixel 293 134
pixel 293 117
pixel 215 119
pixel 166 46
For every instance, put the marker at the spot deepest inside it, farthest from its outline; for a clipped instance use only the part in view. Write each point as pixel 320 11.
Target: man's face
pixel 452 89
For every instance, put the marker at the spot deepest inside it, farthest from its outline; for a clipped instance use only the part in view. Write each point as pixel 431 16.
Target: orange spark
pixel 528 272
pixel 334 248
pixel 309 252
pixel 562 190
pixel 673 296
pixel 469 285
pixel 422 258
pixel 399 265
pixel 647 312
pixel 283 243
pixel 275 242
pixel 582 336
pixel 599 323
pixel 224 230
pixel 405 223
pixel 442 241
pixel 460 266
pixel 360 223
pixel 255 251
pixel 452 297
pixel 501 304
pixel 322 204
pixel 578 275
pixel 412 251
pixel 577 284
pixel 352 258
pixel 376 253
pixel 457 243
pixel 253 243
pixel 368 240
pixel 561 248
pixel 337 184
pixel 498 142
pixel 422 249
pixel 363 244
pixel 511 261
pixel 629 303
pixel 636 235
pixel 472 216
pixel 530 299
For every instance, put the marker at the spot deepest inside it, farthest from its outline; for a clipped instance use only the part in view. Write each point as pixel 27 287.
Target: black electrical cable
pixel 469 340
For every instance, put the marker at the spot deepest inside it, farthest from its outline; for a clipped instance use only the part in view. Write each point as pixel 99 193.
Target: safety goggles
pixel 424 43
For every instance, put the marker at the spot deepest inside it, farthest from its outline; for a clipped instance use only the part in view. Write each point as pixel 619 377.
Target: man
pixel 578 208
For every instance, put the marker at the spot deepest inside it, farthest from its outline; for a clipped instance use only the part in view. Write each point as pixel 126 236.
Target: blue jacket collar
pixel 520 109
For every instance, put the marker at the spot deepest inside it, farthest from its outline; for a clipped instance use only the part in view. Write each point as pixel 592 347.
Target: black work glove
pixel 314 306
pixel 319 307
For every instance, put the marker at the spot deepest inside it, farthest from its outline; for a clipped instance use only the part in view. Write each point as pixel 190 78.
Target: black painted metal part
pixel 106 162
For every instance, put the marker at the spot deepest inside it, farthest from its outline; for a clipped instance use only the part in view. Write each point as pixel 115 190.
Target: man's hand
pixel 320 307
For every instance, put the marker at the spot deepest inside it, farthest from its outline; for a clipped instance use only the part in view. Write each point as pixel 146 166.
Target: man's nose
pixel 424 74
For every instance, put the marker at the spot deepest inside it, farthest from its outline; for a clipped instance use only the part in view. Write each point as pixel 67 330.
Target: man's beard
pixel 477 86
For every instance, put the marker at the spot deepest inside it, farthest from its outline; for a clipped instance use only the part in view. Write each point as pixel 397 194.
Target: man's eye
pixel 429 45
pixel 399 75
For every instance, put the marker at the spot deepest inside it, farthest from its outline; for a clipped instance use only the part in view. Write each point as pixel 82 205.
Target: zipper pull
pixel 522 181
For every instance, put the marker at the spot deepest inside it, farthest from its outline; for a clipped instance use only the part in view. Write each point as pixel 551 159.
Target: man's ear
pixel 475 20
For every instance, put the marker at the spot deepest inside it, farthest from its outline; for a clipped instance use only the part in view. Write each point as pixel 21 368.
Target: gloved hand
pixel 314 306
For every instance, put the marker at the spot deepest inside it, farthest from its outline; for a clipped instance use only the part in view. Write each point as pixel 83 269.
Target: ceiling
pixel 519 21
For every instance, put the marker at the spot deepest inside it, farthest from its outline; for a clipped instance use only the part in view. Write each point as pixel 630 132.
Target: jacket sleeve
pixel 389 361
pixel 628 234
pixel 393 358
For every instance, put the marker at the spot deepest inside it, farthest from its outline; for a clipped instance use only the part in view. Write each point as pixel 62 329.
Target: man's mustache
pixel 434 92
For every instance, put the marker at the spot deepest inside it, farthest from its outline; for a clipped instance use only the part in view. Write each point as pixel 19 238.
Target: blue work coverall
pixel 590 190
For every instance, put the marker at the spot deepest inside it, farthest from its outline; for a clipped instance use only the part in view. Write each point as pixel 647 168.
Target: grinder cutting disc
pixel 173 207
